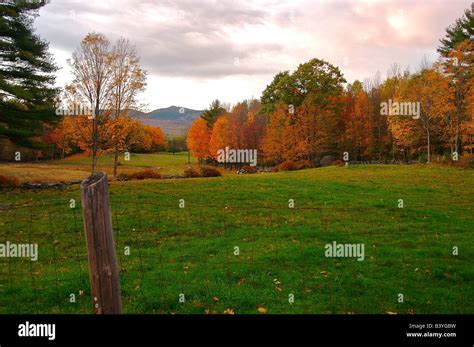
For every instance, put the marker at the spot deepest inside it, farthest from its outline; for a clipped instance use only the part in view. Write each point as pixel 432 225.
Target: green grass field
pixel 190 251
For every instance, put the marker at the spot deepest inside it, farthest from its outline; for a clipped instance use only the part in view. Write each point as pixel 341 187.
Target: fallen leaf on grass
pixel 215 298
pixel 262 310
pixel 197 304
pixel 229 311
pixel 390 312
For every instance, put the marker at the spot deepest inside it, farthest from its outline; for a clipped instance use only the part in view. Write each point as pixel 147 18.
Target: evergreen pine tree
pixel 27 95
pixel 462 29
pixel 214 111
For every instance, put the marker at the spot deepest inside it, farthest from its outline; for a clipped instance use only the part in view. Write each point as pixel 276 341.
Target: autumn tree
pixel 123 133
pixel 405 133
pixel 315 83
pixel 459 66
pixel 198 139
pixel 456 51
pixel 287 134
pixel 253 129
pixel 154 137
pixel 91 66
pixel 356 118
pixel 128 79
pixel 220 136
pixel 63 136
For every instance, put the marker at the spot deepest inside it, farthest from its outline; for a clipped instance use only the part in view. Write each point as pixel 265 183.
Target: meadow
pixel 78 167
pixel 238 247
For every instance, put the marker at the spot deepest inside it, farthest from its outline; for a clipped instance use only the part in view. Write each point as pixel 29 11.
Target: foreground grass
pixel 191 251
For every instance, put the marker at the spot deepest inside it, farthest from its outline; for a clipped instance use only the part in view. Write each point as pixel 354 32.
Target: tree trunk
pixel 95 135
pixel 429 144
pixel 94 146
pixel 116 156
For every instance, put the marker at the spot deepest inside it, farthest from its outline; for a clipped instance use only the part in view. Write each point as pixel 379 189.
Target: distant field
pixel 79 166
pixel 191 251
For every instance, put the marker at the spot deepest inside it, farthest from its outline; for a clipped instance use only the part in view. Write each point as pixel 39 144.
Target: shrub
pixel 140 175
pixel 249 169
pixel 190 173
pixel 337 162
pixel 423 158
pixel 209 171
pixel 466 161
pixel 9 182
pixel 287 165
pixel 303 164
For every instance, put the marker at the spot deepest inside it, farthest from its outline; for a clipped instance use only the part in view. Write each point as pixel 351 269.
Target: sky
pixel 196 51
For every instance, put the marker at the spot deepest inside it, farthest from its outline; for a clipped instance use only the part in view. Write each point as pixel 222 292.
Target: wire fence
pixel 185 256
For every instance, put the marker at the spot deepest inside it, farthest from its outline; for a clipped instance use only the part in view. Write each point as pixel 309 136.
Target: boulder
pixel 327 160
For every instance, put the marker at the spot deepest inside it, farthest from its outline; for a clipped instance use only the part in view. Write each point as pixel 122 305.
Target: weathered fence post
pixel 103 267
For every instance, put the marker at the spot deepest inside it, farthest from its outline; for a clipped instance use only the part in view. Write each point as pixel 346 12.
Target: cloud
pixel 173 38
pixel 243 40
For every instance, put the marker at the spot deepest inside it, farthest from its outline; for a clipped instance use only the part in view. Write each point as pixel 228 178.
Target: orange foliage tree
pixel 154 137
pixel 220 136
pixel 63 136
pixel 198 139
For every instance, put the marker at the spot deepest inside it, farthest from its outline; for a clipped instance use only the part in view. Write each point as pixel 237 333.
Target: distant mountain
pixel 173 120
pixel 136 114
pixel 174 113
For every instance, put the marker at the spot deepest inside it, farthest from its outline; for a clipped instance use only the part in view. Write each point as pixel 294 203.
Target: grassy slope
pixel 190 250
pixel 78 167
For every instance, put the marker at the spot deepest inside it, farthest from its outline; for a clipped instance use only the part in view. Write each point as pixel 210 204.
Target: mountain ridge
pixel 173 120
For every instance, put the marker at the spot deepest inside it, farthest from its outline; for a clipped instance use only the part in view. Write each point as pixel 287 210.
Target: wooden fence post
pixel 103 267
